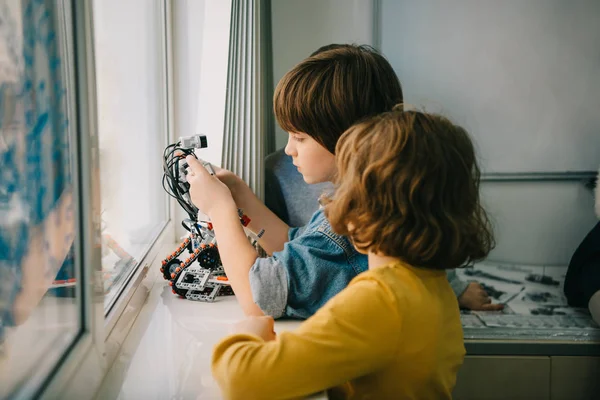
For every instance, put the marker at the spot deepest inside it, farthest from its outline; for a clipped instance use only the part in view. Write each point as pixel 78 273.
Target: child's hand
pixel 228 178
pixel 476 298
pixel 259 326
pixel 206 191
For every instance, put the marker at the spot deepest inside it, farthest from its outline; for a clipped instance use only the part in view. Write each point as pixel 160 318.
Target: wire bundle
pixel 174 182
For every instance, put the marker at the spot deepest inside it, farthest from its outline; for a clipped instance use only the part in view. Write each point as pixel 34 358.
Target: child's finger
pixel 492 307
pixel 195 166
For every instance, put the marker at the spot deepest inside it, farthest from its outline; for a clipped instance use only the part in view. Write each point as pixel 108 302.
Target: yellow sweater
pixel 393 333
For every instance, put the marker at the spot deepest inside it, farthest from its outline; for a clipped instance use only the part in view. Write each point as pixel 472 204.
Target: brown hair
pixel 408 187
pixel 334 88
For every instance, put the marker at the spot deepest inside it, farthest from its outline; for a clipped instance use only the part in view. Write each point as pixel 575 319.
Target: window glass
pixel 131 90
pixel 39 306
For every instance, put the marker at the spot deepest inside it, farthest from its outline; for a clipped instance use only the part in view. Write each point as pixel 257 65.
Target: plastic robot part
pixel 208 167
pixel 208 294
pixel 169 269
pixel 173 283
pixel 171 262
pixel 543 279
pixel 244 219
pixel 196 141
pixel 201 282
pixel 200 276
pixel 193 278
pixel 209 258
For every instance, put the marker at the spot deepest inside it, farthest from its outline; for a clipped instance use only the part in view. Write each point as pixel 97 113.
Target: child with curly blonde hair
pixel 408 196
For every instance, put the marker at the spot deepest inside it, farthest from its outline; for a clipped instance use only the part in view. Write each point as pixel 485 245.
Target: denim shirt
pixel 295 201
pixel 314 265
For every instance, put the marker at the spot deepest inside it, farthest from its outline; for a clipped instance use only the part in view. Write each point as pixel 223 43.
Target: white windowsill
pixel 168 349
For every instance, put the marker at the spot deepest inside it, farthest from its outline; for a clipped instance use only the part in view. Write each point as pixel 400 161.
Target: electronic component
pixel 543 279
pixel 174 182
pixel 175 170
pixel 482 274
pixel 538 297
pixel 194 142
pixel 201 275
pixel 208 167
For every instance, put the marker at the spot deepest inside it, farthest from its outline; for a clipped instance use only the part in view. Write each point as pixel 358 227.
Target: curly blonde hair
pixel 408 187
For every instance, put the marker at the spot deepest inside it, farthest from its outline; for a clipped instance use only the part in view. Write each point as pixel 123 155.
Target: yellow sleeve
pixel 355 333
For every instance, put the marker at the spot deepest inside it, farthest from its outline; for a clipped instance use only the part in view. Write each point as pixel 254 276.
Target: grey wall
pixel 535 222
pixel 538 222
pixel 301 27
pixel 523 76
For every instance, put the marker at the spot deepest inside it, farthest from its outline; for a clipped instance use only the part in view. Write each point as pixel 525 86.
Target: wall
pixel 538 222
pixel 535 222
pixel 301 27
pixel 502 69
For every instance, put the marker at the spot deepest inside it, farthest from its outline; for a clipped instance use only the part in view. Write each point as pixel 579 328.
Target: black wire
pixel 172 155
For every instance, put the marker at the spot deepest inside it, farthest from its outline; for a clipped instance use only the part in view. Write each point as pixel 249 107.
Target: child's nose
pixel 290 149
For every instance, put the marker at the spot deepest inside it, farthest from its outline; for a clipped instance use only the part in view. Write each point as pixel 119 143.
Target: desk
pixel 167 353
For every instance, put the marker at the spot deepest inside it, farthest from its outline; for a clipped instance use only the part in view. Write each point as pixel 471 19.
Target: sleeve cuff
pixel 269 286
pixel 458 285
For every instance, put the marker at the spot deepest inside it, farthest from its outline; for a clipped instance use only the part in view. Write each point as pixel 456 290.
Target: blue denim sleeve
pixel 457 284
pixel 312 268
pixel 269 281
pixel 293 233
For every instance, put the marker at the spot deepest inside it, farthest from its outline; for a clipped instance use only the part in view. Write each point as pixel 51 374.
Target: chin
pixel 311 180
pixel 365 252
pixel 308 179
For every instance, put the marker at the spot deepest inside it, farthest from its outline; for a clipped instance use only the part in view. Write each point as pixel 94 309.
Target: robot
pixel 200 275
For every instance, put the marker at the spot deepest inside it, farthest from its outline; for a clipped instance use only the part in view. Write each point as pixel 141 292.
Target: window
pixel 51 88
pixel 200 31
pixel 39 303
pixel 131 88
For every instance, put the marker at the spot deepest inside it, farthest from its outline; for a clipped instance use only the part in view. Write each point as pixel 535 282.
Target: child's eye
pixel 298 139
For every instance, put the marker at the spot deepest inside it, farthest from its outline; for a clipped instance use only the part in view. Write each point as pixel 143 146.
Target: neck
pixel 377 260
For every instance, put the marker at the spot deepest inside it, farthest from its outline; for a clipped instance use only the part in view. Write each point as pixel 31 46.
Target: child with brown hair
pixel 408 196
pixel 316 101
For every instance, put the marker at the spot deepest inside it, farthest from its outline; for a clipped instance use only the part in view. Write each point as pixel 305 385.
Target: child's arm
pixel 213 197
pixel 356 333
pixel 276 231
pixel 237 255
pixel 471 295
pixel 314 266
